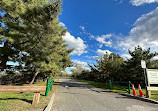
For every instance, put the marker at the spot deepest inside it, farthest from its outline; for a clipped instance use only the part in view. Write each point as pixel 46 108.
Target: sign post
pixel 143 65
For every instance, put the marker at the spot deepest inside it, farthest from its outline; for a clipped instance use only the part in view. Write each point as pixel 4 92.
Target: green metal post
pixel 51 84
pixel 110 85
pixel 47 87
pixel 129 87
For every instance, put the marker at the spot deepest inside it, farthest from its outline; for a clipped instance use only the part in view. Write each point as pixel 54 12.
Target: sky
pixel 113 26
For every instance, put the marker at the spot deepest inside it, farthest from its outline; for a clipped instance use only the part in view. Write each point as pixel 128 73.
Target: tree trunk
pixel 3 64
pixel 5 56
pixel 33 79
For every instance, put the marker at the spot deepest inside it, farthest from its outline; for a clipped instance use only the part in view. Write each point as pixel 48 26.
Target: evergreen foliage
pixel 31 34
pixel 133 69
pixel 113 67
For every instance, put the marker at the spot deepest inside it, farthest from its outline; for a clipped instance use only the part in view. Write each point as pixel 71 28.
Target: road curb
pixel 140 98
pixel 49 106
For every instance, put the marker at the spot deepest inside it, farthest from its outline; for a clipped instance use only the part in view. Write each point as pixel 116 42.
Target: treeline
pixel 31 35
pixel 114 67
pixel 64 74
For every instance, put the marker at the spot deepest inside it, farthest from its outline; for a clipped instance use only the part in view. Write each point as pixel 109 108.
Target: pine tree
pixel 108 67
pixel 133 70
pixel 32 36
pixel 9 18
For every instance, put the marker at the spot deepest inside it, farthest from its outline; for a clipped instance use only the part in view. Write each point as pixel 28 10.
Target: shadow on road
pixel 121 97
pixel 72 84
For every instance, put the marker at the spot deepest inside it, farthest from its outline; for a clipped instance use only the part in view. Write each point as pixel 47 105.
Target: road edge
pixel 49 106
pixel 128 95
pixel 140 98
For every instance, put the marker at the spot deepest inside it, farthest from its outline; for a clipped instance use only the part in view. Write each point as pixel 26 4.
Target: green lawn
pixel 116 88
pixel 17 101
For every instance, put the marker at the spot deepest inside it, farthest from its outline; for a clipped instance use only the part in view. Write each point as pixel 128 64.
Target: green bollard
pixel 51 84
pixel 47 87
pixel 129 87
pixel 110 85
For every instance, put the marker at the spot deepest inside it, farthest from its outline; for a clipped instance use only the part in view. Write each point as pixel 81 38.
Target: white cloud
pixel 155 58
pixel 62 24
pixel 144 33
pixel 119 1
pixel 92 57
pixel 103 52
pixel 126 56
pixel 82 28
pixel 100 53
pixel 85 32
pixel 68 69
pixel 102 40
pixel 89 34
pixel 81 63
pixel 76 43
pixel 87 68
pixel 140 2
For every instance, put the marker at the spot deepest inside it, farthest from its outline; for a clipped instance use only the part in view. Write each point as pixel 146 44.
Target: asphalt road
pixel 75 96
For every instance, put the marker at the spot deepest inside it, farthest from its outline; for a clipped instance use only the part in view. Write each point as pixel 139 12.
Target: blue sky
pixel 99 26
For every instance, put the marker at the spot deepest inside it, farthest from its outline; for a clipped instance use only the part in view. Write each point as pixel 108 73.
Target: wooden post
pixel 35 89
pixel 151 89
pixel 149 94
pixel 110 85
pixel 36 98
pixel 146 83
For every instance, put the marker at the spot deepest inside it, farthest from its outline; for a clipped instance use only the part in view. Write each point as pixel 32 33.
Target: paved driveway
pixel 75 96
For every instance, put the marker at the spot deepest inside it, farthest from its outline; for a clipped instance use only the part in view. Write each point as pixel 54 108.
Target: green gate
pixel 125 86
pixel 49 85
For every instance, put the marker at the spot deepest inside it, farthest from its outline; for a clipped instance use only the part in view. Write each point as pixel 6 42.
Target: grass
pixel 116 88
pixel 22 101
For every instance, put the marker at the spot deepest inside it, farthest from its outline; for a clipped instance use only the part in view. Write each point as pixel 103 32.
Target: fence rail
pixel 22 88
pixel 118 83
pixel 35 89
